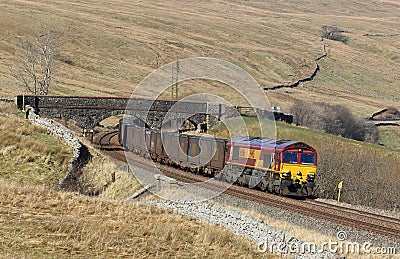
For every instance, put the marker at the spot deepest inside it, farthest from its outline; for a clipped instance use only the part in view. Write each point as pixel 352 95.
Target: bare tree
pixel 302 113
pixel 34 62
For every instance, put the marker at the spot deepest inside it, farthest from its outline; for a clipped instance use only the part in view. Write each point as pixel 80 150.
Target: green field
pixel 390 137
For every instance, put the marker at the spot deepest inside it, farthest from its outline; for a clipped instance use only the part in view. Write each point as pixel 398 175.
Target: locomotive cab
pixel 284 167
pixel 297 170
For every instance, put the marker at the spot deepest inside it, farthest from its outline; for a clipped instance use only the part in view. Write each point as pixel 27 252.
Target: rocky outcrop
pixel 81 154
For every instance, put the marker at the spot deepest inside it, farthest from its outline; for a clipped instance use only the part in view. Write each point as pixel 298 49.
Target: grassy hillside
pixel 390 137
pixel 28 154
pixel 108 47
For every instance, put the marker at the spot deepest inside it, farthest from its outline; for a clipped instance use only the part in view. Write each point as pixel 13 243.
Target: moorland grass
pixel 109 49
pixel 43 223
pixel 29 154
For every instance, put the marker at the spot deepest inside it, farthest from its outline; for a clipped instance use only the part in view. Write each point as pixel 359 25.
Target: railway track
pixel 104 142
pixel 358 219
pixel 357 212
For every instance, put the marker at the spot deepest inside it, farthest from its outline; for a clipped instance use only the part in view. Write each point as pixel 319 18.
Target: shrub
pixel 333 33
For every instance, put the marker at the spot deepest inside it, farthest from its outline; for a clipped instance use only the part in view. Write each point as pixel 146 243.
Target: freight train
pixel 284 167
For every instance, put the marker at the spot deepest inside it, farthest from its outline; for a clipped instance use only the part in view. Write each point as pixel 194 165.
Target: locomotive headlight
pixel 299 173
pixel 311 176
pixel 286 174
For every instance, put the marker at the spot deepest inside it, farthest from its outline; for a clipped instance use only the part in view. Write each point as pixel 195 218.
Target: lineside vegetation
pixel 29 155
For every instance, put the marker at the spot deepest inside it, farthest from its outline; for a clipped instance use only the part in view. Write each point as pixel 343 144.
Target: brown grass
pixel 42 223
pixel 102 177
pixel 29 155
pixel 108 48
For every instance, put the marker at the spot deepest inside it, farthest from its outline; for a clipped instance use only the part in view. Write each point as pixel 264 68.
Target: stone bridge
pixel 90 111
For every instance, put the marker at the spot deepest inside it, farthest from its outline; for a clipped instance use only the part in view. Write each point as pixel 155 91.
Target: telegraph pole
pixel 36 100
pixel 175 79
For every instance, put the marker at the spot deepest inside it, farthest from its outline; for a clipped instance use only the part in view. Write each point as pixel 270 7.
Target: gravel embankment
pixel 265 237
pixel 257 231
pixel 322 226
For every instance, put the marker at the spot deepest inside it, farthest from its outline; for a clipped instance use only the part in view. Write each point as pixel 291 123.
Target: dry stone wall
pixel 307 79
pixel 81 154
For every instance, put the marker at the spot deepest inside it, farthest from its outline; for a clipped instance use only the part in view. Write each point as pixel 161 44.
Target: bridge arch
pixel 90 111
pixel 113 120
pixel 107 115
